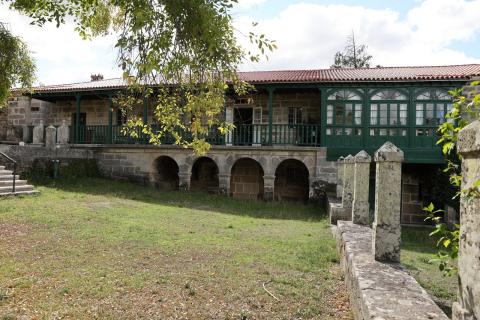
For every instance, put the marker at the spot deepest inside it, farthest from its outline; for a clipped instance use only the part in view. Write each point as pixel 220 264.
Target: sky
pixel 307 33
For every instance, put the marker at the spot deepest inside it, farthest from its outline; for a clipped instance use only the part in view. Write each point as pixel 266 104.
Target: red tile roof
pixel 382 74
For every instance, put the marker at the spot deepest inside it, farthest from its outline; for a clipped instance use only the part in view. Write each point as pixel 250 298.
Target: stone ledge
pixel 378 290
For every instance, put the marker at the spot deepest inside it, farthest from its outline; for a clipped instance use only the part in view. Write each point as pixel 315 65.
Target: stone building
pixel 288 133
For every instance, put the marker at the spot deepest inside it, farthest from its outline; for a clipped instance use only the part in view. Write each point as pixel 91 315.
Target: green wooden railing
pixel 247 135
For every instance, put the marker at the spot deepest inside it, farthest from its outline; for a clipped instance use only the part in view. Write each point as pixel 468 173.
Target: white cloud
pixel 308 35
pixel 247 4
pixel 61 55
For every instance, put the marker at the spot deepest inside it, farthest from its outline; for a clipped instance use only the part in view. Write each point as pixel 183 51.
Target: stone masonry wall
pixel 412 206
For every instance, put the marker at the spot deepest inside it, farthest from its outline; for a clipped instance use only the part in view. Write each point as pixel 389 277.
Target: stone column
pixel 340 169
pixel 63 133
pixel 38 133
pixel 468 306
pixel 348 180
pixel 268 187
pixel 224 184
pixel 50 137
pixel 360 205
pixel 184 181
pixel 388 187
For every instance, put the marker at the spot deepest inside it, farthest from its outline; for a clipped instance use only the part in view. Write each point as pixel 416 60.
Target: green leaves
pixel 185 49
pixel 16 64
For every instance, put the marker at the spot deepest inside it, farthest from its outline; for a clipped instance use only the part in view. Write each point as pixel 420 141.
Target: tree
pixel 354 55
pixel 465 110
pixel 17 68
pixel 185 49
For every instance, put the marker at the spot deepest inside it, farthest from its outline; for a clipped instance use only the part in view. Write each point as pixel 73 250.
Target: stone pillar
pixel 343 210
pixel 50 137
pixel 468 306
pixel 38 133
pixel 348 180
pixel 184 181
pixel 360 205
pixel 340 169
pixel 224 184
pixel 268 187
pixel 388 188
pixel 63 133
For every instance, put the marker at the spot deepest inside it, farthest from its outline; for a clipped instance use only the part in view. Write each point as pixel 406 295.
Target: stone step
pixel 8 189
pixel 8 177
pixel 18 193
pixel 9 182
pixel 3 171
pixel 2 167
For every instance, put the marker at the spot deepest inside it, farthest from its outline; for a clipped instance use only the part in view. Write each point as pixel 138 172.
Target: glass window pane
pixel 429 111
pixel 383 132
pixel 419 114
pixel 393 114
pixel 404 132
pixel 358 131
pixel 383 113
pixel 403 114
pixel 440 112
pixel 372 132
pixel 339 113
pixel 348 131
pixel 329 114
pixel 349 113
pixel 339 131
pixel 329 132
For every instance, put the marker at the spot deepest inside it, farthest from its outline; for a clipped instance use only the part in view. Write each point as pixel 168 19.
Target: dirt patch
pixel 12 229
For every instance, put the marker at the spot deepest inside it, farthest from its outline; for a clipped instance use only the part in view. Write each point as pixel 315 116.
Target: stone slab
pixel 379 290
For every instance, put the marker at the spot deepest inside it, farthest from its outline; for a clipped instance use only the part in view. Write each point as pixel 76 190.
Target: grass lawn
pixel 97 249
pixel 418 249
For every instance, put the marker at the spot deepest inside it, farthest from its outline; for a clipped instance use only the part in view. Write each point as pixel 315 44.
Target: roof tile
pixel 383 74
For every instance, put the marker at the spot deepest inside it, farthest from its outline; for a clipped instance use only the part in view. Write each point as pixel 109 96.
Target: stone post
pixel 388 196
pixel 50 137
pixel 63 133
pixel 340 169
pixel 224 184
pixel 184 181
pixel 348 179
pixel 38 133
pixel 468 306
pixel 268 187
pixel 360 205
pixel 343 210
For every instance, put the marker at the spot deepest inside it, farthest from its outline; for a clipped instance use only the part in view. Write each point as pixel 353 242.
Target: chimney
pixel 96 77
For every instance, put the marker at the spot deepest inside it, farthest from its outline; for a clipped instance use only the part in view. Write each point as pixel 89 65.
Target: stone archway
pixel 167 173
pixel 204 175
pixel 246 181
pixel 291 181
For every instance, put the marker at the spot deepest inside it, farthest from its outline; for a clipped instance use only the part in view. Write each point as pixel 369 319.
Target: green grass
pixel 110 250
pixel 418 251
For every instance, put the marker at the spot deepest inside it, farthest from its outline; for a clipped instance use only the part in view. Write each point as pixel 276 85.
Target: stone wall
pixel 3 124
pixel 138 163
pixel 412 206
pixel 246 181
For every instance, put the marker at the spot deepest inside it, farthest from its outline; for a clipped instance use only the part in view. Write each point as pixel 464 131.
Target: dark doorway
pixel 83 134
pixel 242 119
pixel 167 174
pixel 204 175
pixel 291 181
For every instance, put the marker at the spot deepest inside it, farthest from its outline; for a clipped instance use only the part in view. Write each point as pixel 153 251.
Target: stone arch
pixel 167 170
pixel 204 175
pixel 246 180
pixel 291 181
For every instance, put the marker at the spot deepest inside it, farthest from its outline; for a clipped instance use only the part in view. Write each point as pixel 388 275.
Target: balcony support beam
pixel 270 114
pixel 110 119
pixel 77 118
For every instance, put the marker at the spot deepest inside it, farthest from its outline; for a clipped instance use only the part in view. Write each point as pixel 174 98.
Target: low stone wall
pixel 379 290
